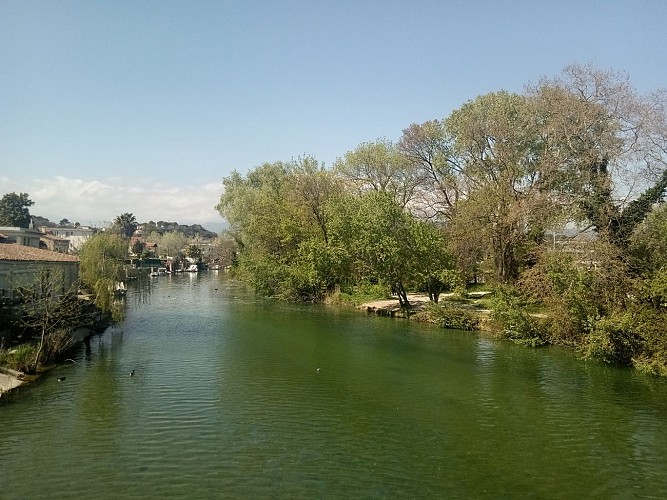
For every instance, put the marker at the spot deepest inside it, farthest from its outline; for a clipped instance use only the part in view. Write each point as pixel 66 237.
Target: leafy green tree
pixel 497 145
pixel 276 217
pixel 125 224
pixel 102 267
pixel 378 241
pixel 14 210
pixel 380 166
pixel 171 244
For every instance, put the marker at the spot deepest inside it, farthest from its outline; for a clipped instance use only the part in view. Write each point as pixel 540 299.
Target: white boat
pixel 193 268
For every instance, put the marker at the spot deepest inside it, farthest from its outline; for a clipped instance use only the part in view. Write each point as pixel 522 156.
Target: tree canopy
pixel 125 224
pixel 14 210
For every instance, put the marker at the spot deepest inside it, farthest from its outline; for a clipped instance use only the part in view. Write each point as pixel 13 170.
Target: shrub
pixel 21 358
pixel 513 322
pixel 448 316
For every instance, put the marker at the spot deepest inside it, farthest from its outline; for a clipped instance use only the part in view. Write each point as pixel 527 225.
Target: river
pixel 238 397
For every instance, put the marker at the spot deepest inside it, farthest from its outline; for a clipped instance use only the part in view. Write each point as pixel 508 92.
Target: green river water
pixel 227 402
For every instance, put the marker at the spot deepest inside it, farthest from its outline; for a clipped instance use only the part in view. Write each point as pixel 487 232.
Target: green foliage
pixel 101 267
pixel 14 210
pixel 21 358
pixel 513 321
pixel 363 292
pixel 648 244
pixel 612 339
pixel 588 281
pixel 379 166
pixel 125 224
pixel 452 317
pixel 194 252
pixel 636 336
pixel 188 231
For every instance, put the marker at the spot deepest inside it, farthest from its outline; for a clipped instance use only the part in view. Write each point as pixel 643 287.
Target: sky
pixel 118 106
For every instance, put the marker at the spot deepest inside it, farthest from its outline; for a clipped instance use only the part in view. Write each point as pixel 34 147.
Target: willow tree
pixel 102 267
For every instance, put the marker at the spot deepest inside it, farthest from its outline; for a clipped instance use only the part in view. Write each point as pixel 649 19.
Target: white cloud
pixel 97 202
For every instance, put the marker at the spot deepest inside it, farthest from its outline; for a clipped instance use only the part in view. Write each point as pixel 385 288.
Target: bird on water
pixel 60 379
pixel 132 373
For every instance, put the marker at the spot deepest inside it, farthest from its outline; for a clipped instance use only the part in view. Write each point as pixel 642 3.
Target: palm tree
pixel 126 224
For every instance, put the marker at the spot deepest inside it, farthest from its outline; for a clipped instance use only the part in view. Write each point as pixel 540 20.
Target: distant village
pixel 48 247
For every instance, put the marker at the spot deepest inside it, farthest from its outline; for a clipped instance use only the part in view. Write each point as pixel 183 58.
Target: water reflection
pixel 227 400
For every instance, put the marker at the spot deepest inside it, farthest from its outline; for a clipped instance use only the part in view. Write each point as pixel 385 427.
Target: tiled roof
pixel 12 251
pixel 53 237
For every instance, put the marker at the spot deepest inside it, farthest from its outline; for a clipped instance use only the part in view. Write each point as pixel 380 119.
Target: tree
pixel 377 240
pixel 314 186
pixel 170 244
pixel 48 311
pixel 502 206
pixel 14 210
pixel 276 218
pixel 125 224
pixel 379 166
pixel 607 144
pixel 428 147
pixel 101 267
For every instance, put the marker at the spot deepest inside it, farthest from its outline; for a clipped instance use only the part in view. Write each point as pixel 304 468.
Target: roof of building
pixel 14 252
pixel 53 237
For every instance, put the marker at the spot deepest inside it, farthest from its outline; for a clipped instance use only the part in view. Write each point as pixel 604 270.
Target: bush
pixel 55 344
pixel 610 339
pixel 362 293
pixel 513 322
pixel 21 358
pixel 448 316
pixel 637 336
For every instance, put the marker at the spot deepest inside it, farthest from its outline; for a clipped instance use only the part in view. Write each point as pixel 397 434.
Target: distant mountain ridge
pixel 189 230
pixel 174 227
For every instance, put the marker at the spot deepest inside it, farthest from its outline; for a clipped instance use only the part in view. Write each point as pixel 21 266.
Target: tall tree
pixel 379 166
pixel 125 224
pixel 101 266
pixel 14 210
pixel 428 147
pixel 607 143
pixel 497 145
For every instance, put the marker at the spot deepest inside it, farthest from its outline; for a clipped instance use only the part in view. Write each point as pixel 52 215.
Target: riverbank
pixel 10 380
pixel 419 302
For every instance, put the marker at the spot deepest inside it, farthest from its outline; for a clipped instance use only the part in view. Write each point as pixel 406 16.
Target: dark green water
pixel 227 402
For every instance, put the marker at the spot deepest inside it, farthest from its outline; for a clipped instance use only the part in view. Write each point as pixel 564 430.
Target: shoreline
pixel 10 380
pixel 390 307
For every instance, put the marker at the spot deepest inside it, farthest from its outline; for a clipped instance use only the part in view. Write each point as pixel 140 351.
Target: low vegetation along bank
pixel 554 198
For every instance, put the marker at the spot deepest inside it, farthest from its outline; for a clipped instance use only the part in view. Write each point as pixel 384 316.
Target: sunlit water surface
pixel 227 402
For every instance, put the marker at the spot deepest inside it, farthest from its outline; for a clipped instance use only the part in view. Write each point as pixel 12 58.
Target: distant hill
pixel 148 227
pixel 174 227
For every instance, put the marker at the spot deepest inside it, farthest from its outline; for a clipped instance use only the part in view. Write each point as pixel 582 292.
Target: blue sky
pixel 144 106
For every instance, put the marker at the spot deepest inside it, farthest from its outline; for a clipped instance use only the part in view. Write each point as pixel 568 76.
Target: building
pixel 75 235
pixel 21 236
pixel 22 266
pixel 53 243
